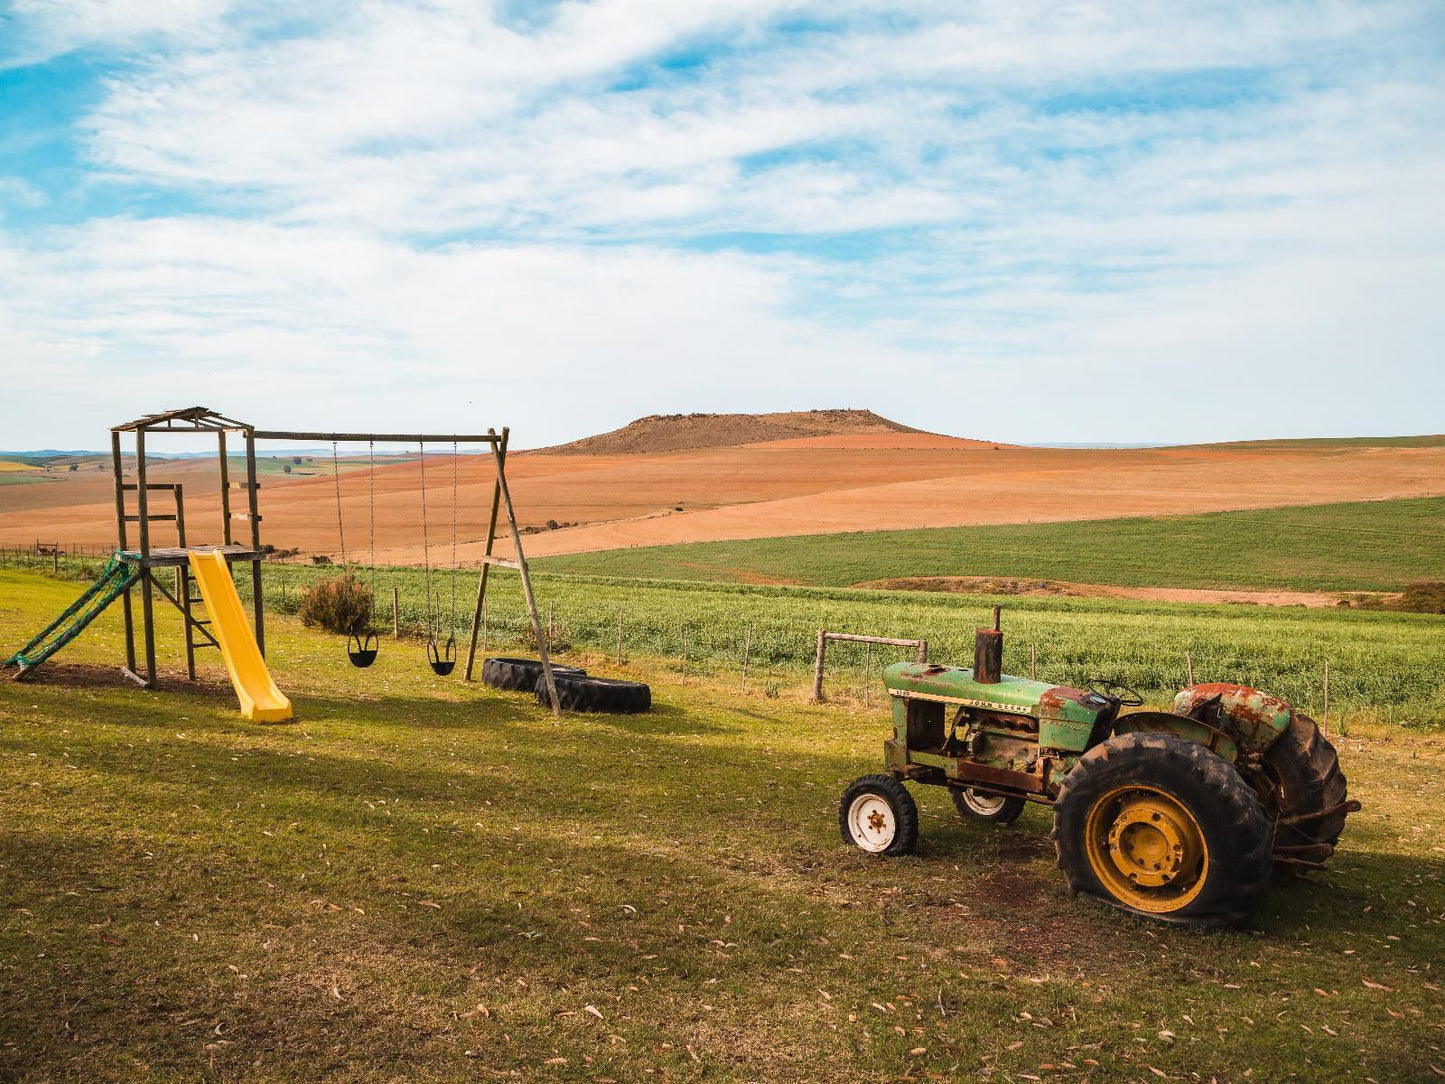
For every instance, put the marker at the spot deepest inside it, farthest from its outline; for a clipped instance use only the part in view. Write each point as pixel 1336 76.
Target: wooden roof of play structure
pixel 186 420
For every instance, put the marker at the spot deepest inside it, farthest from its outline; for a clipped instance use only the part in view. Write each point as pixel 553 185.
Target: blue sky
pixel 1072 221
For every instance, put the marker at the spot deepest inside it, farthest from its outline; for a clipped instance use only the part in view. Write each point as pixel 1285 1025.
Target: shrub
pixel 337 604
pixel 1424 597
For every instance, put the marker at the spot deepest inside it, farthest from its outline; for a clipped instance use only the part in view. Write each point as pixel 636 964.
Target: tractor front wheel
pixel 1163 827
pixel 995 808
pixel 878 815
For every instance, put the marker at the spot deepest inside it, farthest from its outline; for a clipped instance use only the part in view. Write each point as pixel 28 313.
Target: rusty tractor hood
pixel 1255 720
pixel 956 684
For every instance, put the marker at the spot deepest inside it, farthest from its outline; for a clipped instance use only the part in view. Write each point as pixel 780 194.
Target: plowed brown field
pixel 812 485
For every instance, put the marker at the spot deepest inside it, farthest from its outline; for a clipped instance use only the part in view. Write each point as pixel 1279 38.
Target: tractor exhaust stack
pixel 988 653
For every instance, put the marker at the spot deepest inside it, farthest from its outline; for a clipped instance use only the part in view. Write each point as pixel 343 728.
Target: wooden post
pixel 818 666
pixel 225 488
pixel 147 601
pixel 479 610
pixel 922 650
pixel 619 641
pixel 867 672
pixel 1033 663
pixel 1325 717
pixel 747 649
pixel 395 614
pixel 120 540
pixel 1189 667
pixel 258 598
pixel 183 583
pixel 547 674
pixel 55 560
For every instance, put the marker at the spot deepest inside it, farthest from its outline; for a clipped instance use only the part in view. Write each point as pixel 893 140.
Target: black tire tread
pixel 1308 755
pixel 1012 807
pixel 518 675
pixel 1246 823
pixel 903 804
pixel 585 693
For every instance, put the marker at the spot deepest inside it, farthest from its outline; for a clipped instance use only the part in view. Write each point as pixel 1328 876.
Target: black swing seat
pixel 362 648
pixel 442 657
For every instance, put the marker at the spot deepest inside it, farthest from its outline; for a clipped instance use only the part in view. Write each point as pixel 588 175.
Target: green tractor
pixel 1180 815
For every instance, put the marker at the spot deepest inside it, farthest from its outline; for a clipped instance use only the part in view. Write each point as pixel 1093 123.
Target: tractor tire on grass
pixel 581 692
pixel 1301 776
pixel 1162 827
pixel 878 815
pixel 977 805
pixel 518 675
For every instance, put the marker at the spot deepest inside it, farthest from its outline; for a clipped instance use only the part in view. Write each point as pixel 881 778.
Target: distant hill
pixel 685 432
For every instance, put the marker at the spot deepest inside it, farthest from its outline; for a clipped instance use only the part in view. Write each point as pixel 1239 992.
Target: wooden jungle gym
pixel 134 566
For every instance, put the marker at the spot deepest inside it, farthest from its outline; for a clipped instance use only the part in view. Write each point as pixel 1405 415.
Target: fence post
pixel 922 650
pixel 1325 717
pixel 818 666
pixel 867 672
pixel 1189 666
pixel 747 648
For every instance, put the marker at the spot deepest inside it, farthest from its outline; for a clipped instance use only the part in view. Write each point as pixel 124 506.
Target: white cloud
pixel 1124 202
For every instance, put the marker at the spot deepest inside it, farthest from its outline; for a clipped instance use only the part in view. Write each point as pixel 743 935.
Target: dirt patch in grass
pixel 93 676
pixel 996 585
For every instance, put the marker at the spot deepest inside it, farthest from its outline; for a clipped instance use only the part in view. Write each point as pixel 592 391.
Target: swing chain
pixel 371 521
pixel 425 545
pixel 452 619
pixel 340 530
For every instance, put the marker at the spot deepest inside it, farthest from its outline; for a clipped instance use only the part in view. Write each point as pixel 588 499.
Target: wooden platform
pixel 174 556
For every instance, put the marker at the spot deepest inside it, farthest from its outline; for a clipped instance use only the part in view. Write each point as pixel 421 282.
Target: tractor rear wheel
pixel 978 805
pixel 1301 776
pixel 879 816
pixel 1162 827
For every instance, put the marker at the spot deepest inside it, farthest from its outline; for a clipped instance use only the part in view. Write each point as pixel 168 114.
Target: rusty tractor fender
pixel 1210 736
pixel 1251 719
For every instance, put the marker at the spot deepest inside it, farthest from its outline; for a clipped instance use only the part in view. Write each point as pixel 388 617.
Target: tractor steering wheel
pixel 1111 690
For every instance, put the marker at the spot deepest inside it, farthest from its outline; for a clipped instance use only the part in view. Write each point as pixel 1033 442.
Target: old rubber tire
pixel 878 815
pixel 994 808
pixel 581 692
pixel 518 675
pixel 1162 827
pixel 1301 774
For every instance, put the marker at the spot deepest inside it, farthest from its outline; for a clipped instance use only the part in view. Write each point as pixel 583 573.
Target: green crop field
pixel 1365 546
pixel 426 881
pixel 1385 667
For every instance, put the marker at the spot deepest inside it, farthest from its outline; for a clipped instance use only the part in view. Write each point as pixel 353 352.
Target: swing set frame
pixel 149 558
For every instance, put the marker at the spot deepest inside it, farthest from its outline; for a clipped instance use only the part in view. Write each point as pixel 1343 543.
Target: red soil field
pixel 867 478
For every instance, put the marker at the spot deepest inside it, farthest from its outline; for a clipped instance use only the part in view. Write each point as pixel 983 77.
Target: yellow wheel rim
pixel 1147 849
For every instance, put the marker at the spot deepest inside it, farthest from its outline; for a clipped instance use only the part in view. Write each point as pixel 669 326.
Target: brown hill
pixel 689 432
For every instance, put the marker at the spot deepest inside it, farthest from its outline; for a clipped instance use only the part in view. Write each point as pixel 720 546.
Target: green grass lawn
pixel 421 880
pixel 1373 545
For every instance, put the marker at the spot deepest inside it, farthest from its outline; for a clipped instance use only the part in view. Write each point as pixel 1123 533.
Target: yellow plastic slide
pixel 260 700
